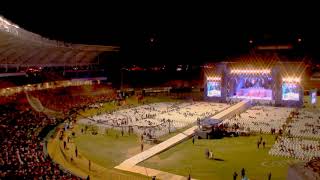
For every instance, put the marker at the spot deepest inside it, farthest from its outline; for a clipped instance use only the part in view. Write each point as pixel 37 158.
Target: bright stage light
pixel 254 71
pixel 291 79
pixel 210 78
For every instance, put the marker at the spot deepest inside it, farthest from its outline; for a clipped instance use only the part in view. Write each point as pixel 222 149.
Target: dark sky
pixel 153 31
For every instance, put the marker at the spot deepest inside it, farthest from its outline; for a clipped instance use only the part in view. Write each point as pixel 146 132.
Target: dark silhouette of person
pixel 269 176
pixel 264 144
pixel 235 175
pixel 64 144
pixel 243 172
pixel 193 140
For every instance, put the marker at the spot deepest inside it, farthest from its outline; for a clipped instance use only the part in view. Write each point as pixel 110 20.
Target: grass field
pixel 109 149
pixel 231 154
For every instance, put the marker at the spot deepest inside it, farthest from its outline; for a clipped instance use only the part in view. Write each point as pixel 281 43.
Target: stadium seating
pixel 22 133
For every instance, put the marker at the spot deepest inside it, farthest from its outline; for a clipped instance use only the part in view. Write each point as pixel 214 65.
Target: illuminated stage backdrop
pixel 277 84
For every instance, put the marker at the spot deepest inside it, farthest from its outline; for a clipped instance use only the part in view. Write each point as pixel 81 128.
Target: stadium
pixel 69 114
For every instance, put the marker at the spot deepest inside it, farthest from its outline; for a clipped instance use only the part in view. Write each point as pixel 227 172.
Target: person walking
pixel 207 153
pixel 269 176
pixel 76 151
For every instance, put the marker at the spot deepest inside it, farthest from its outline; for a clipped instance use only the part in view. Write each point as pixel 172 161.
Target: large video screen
pixel 213 89
pixel 290 91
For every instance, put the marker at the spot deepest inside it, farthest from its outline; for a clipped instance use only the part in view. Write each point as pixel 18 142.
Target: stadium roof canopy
pixel 19 48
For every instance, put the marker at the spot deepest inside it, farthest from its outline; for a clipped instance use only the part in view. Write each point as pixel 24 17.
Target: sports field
pixel 230 155
pixel 108 149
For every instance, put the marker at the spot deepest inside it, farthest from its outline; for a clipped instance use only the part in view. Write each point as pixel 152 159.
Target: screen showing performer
pixel 213 89
pixel 290 91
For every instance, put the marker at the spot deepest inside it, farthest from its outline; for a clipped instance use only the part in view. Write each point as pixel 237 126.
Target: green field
pixel 108 149
pixel 231 154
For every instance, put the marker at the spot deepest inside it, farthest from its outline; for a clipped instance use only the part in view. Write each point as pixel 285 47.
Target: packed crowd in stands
pixel 296 148
pixel 261 119
pixel 22 132
pixel 158 118
pixel 305 123
pixel 76 96
pixel 22 154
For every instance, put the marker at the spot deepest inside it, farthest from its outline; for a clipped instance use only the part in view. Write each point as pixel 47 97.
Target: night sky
pixel 163 33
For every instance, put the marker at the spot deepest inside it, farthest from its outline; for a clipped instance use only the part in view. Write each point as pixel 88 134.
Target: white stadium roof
pixel 19 47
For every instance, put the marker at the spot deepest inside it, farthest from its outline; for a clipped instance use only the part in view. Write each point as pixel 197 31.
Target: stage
pixel 269 85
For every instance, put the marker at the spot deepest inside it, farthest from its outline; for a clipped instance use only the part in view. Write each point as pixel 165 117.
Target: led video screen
pixel 213 89
pixel 290 92
pixel 314 97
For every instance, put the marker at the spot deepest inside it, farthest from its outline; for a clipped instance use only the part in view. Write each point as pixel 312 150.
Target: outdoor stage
pixel 271 85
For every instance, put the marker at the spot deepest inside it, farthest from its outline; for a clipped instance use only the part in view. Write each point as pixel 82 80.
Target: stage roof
pixel 19 47
pixel 210 122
